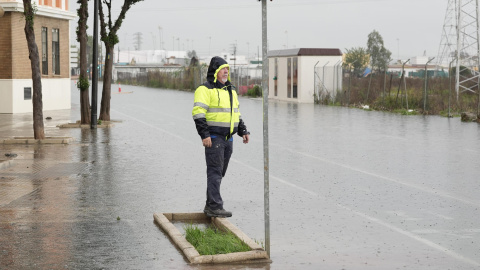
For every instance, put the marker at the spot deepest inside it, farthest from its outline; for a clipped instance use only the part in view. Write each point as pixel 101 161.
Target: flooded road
pixel 350 189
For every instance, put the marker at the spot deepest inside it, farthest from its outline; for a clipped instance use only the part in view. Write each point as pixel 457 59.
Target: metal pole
pixel 93 120
pixel 265 127
pixel 457 71
pixel 478 59
pixel 405 84
pixel 323 76
pixel 450 85
pixel 335 75
pixel 426 80
pixel 314 81
pixel 384 85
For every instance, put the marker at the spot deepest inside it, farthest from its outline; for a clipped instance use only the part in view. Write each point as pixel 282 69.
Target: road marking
pixel 154 127
pixel 428 190
pixel 440 216
pixel 425 189
pixel 403 215
pixel 276 178
pixel 363 215
pixel 413 236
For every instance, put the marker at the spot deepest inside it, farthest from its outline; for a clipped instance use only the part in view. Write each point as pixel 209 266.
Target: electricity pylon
pixel 460 44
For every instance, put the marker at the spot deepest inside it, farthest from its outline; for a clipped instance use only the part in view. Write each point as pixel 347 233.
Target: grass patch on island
pixel 212 241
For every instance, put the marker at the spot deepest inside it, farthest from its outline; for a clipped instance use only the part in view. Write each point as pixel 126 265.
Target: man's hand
pixel 207 142
pixel 246 138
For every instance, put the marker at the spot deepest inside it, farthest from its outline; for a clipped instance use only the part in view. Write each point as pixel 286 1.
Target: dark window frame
pixel 275 82
pixel 27 93
pixel 295 77
pixel 289 77
pixel 56 51
pixel 44 50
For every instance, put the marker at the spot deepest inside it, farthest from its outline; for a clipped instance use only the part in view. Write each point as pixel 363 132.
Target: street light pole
pixel 265 127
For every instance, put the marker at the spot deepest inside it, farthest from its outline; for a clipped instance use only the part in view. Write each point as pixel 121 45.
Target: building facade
pixel 292 74
pixel 51 24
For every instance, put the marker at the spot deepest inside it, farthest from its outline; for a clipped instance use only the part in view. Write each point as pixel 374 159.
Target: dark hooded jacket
pixel 216 107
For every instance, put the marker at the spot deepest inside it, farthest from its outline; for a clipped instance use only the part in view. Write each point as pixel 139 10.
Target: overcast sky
pixel 408 27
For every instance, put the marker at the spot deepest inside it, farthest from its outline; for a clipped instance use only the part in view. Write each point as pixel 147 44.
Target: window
pixel 55 52
pixel 27 93
pixel 275 78
pixel 289 77
pixel 44 51
pixel 295 76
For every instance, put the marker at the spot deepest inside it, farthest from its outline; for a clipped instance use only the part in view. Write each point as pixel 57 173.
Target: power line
pixel 254 6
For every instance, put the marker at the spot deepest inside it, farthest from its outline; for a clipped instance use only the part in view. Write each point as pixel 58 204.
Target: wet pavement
pixel 350 189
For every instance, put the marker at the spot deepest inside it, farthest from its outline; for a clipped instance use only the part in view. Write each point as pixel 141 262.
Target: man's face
pixel 222 75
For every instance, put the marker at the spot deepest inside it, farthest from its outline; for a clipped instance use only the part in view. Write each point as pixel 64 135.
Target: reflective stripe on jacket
pixel 213 104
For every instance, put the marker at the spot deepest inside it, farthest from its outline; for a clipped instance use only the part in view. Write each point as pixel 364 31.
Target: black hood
pixel 214 67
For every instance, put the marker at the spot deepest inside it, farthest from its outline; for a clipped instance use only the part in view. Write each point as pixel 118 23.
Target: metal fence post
pixel 425 97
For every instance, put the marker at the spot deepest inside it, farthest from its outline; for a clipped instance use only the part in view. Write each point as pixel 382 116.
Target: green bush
pixel 256 91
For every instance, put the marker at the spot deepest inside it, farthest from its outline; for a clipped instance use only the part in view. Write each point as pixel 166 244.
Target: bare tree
pixel 108 33
pixel 83 83
pixel 38 127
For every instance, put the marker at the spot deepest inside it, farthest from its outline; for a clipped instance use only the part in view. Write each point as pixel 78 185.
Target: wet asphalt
pixel 349 189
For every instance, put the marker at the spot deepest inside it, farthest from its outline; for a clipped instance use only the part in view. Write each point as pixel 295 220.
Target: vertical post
pixel 349 86
pixel 425 97
pixel 478 59
pixel 265 127
pixel 93 120
pixel 315 82
pixel 457 71
pixel 384 85
pixel 323 77
pixel 450 85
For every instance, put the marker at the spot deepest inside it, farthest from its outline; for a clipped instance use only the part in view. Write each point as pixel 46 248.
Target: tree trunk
pixel 38 128
pixel 107 84
pixel 82 38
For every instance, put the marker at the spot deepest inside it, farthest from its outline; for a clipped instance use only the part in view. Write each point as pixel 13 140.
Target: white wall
pixel 55 95
pixel 6 105
pixel 306 87
pixel 306 74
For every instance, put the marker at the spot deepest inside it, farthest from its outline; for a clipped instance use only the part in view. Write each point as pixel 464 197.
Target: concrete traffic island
pixel 31 140
pixel 256 255
pixel 104 124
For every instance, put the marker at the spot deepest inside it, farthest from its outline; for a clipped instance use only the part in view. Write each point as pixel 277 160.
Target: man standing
pixel 217 118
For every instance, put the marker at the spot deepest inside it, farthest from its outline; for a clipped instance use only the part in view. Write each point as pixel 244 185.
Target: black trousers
pixel 217 158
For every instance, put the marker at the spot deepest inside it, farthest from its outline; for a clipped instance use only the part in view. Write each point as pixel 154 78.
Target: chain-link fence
pixel 188 78
pixel 328 82
pixel 392 91
pixel 333 85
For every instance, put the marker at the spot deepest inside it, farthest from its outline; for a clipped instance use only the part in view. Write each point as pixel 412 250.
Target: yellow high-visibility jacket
pixel 216 107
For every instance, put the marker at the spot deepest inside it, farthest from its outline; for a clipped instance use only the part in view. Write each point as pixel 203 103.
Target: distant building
pixel 292 74
pixel 74 65
pixel 416 71
pixel 149 57
pixel 52 28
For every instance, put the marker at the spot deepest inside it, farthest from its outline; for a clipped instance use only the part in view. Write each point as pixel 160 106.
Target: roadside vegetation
pixel 212 241
pixel 381 90
pixel 406 96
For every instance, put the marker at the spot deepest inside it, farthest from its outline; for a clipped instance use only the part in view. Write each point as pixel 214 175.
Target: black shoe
pixel 216 213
